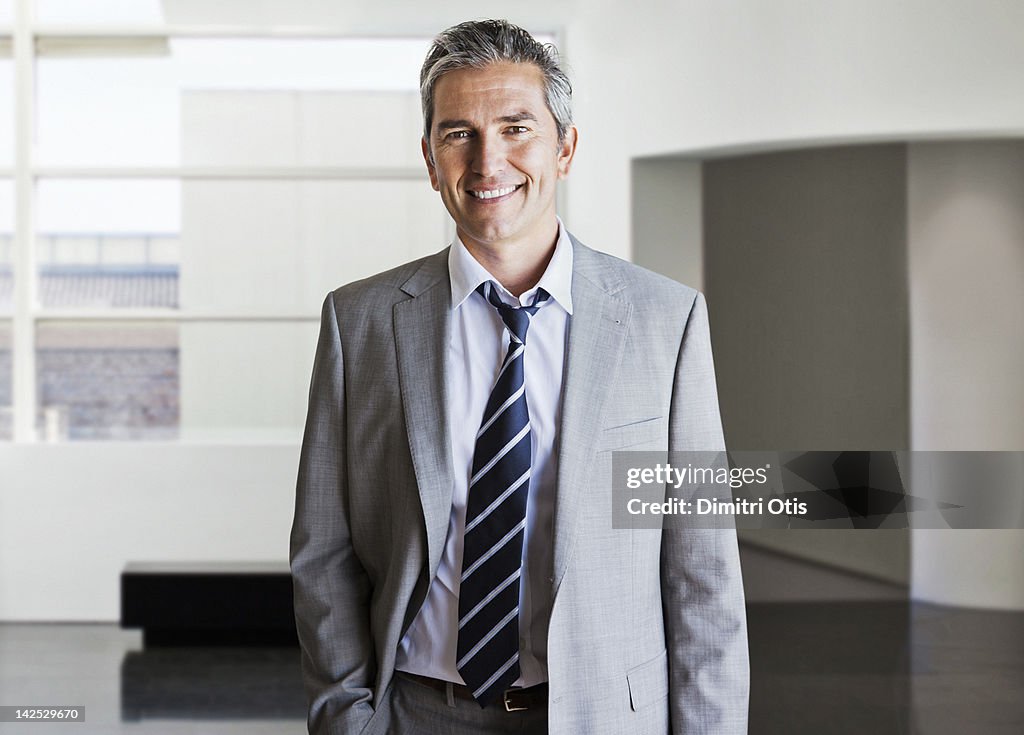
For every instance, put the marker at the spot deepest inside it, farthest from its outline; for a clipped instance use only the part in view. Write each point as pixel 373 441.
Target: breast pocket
pixel 633 434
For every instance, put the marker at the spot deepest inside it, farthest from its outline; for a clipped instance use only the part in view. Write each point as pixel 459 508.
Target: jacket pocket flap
pixel 648 682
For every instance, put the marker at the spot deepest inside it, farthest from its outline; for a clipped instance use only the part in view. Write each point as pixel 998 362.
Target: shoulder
pixel 391 286
pixel 627 281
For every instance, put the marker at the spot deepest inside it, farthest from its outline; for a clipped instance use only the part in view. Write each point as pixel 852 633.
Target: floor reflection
pixel 211 683
pixel 830 667
pixel 879 667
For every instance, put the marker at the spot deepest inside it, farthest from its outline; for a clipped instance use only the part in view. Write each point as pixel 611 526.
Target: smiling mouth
pixel 491 194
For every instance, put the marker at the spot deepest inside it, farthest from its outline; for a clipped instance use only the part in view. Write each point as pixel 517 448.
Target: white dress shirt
pixel 475 353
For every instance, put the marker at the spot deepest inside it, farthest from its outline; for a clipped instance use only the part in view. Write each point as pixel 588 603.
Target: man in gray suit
pixel 454 560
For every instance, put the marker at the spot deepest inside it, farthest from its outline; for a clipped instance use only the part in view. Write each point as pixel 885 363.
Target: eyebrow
pixel 513 118
pixel 518 117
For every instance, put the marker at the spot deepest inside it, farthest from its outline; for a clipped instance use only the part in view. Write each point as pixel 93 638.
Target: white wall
pixel 966 246
pixel 71 517
pixel 663 77
pixel 353 16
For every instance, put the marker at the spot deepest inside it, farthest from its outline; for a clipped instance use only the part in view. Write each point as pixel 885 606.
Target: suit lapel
pixel 597 331
pixel 422 327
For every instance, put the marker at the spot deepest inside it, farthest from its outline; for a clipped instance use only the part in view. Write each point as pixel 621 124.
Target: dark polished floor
pixel 875 666
pixel 885 667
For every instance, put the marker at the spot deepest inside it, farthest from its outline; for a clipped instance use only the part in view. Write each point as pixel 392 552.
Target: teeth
pixel 493 193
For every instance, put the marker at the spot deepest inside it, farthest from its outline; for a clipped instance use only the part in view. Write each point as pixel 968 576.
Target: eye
pixel 457 135
pixel 518 129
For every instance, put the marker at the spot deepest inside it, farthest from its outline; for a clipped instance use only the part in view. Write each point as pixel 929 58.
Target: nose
pixel 488 156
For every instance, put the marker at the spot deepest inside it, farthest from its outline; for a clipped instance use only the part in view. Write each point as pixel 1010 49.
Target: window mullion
pixel 23 337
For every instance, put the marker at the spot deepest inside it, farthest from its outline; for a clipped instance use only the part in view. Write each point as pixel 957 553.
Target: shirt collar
pixel 466 273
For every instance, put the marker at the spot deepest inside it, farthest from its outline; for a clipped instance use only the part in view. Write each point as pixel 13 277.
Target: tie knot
pixel 516 318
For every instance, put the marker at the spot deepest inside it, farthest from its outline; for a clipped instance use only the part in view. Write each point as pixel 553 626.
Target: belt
pixel 515 700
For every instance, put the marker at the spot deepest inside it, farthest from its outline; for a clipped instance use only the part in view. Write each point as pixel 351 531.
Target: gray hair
pixel 476 44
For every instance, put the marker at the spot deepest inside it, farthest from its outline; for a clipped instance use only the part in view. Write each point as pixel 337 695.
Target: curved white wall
pixel 660 77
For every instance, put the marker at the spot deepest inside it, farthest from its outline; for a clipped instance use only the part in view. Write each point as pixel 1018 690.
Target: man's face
pixel 496 155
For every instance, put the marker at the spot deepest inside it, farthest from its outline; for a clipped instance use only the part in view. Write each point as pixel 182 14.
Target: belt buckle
pixel 509 705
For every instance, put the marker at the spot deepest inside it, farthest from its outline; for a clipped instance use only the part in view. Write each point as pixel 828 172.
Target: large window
pixel 178 192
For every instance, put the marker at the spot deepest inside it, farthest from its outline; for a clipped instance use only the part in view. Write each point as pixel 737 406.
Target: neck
pixel 517 267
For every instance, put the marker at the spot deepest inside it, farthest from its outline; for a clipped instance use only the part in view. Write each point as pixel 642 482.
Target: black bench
pixel 209 603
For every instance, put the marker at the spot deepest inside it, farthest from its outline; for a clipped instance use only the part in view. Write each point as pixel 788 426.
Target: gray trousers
pixel 416 709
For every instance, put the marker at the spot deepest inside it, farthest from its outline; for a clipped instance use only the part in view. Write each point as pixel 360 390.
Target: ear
pixel 566 150
pixel 429 160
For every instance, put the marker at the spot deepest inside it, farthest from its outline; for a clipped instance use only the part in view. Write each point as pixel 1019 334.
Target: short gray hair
pixel 476 44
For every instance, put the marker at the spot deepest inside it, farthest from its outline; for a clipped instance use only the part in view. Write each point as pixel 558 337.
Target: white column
pixel 23 329
pixel 966 272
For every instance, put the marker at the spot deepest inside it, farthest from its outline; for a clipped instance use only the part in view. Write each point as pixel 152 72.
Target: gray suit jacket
pixel 647 631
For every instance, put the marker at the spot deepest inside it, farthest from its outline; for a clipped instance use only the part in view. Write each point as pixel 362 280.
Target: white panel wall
pixel 278 246
pixel 244 380
pixel 293 128
pixel 71 517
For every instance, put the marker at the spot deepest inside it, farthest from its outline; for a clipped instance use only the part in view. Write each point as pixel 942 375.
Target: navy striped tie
pixel 488 645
